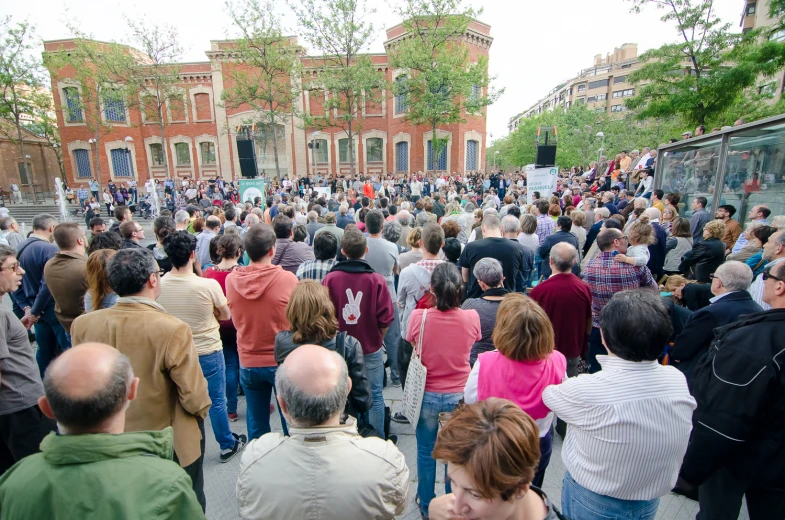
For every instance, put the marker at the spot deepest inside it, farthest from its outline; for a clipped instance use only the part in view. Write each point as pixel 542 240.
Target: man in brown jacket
pixel 65 273
pixel 173 390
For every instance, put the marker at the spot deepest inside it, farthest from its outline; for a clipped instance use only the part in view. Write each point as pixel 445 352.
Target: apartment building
pixel 755 15
pixel 603 86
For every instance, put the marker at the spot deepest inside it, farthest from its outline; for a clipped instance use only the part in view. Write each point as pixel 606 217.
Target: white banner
pixel 323 191
pixel 543 180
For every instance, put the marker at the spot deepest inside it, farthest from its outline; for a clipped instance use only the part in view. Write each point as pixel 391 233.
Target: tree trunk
pixel 21 138
pixel 163 146
pixel 434 151
pixel 275 144
pixel 351 149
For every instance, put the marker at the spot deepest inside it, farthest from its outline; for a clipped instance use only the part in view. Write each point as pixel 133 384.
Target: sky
pixel 537 44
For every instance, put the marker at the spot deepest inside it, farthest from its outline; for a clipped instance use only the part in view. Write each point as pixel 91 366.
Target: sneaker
pixel 399 418
pixel 233 417
pixel 396 384
pixel 239 444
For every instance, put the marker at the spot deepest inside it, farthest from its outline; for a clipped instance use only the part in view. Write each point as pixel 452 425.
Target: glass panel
pixel 400 100
pixel 157 154
pixel 471 154
pixel 441 162
pixel 114 109
pixel 73 105
pixel 121 162
pixel 24 174
pixel 183 154
pixel 402 156
pixel 755 172
pixel 373 149
pixel 691 172
pixel 343 151
pixel 208 153
pixel 320 150
pixel 82 163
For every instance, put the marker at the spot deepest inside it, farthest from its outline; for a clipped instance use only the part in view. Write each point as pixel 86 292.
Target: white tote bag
pixel 415 380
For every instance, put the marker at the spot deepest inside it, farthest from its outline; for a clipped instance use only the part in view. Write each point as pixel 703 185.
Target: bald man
pixel 92 470
pixel 349 477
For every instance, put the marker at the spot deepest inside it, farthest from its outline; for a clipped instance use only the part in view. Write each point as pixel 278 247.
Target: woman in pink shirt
pixel 448 336
pixel 524 363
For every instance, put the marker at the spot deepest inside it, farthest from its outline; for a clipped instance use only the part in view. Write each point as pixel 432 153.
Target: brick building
pixel 205 139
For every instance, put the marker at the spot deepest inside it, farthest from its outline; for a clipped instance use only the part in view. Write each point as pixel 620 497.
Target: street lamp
pixel 129 139
pixel 494 159
pixel 312 146
pixel 602 146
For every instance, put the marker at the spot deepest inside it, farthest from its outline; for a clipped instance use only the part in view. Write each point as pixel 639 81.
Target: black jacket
pixel 657 251
pixel 360 394
pixel 698 333
pixel 591 236
pixel 544 252
pixel 703 260
pixel 740 389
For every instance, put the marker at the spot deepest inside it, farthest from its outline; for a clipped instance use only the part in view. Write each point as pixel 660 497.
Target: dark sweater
pixel 33 292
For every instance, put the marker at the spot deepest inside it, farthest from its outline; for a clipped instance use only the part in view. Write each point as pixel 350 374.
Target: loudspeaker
pixel 546 156
pixel 247 156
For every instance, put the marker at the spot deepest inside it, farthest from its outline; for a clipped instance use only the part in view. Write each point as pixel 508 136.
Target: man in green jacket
pixel 92 470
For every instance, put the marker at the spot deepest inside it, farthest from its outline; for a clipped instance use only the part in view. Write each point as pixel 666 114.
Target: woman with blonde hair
pixel 706 256
pixel 669 215
pixel 578 221
pixel 98 289
pixel 312 321
pixel 414 254
pixel 520 368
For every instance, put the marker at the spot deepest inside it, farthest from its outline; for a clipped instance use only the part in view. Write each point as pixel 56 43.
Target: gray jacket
pixel 413 282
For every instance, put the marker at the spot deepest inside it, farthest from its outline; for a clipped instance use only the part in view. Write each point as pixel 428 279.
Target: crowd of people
pixel 644 333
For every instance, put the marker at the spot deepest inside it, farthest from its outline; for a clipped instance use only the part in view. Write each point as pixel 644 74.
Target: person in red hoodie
pixel 368 189
pixel 364 309
pixel 257 296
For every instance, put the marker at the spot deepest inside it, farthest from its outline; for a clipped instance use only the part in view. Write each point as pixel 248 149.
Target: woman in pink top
pixel 521 367
pixel 448 336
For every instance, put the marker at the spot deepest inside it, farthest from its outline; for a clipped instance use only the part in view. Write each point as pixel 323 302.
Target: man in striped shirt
pixel 325 246
pixel 545 224
pixel 607 277
pixel 629 424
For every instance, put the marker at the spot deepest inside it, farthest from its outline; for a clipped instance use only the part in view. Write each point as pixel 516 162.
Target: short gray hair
pixel 43 222
pixel 251 219
pixel 735 276
pixel 404 217
pixel 564 256
pixel 489 271
pixel 603 212
pixel 393 230
pixel 307 410
pixel 422 219
pixel 511 224
pixel 312 216
pixel 181 217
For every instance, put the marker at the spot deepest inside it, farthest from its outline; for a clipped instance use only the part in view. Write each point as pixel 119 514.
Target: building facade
pixel 756 15
pixel 206 139
pixel 603 86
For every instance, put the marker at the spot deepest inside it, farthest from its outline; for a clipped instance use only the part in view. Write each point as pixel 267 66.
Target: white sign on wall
pixel 543 180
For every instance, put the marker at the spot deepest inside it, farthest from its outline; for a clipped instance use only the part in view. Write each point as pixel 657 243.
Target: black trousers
pixel 720 499
pixel 22 433
pixel 405 350
pixel 596 348
pixel 195 470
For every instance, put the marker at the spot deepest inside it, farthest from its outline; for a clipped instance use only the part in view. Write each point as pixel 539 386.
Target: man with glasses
pixel 607 277
pixel 22 424
pixel 736 449
pixel 773 254
pixel 132 233
pixel 162 353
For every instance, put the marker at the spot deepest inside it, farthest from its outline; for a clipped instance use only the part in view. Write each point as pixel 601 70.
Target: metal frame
pixel 725 135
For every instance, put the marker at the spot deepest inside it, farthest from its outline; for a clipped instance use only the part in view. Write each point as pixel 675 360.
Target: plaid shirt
pixel 606 277
pixel 545 227
pixel 314 269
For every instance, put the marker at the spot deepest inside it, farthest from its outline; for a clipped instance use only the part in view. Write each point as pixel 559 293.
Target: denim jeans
pixel 578 503
pixel 259 385
pixel 232 362
pixel 427 428
pixel 51 338
pixel 374 369
pixel 391 340
pixel 213 368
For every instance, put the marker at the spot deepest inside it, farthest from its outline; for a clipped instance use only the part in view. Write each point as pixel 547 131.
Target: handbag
pixel 415 380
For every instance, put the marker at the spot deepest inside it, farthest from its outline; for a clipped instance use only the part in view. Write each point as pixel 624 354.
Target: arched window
pixel 472 152
pixel 400 99
pixel 441 161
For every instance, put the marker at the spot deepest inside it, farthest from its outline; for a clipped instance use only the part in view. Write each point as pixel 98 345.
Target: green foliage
pixel 441 84
pixel 265 64
pixel 340 31
pixel 578 143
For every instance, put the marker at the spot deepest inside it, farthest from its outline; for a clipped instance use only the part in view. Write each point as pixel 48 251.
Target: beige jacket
pixel 328 473
pixel 172 388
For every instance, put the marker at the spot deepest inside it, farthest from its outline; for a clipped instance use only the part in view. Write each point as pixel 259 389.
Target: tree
pixel 701 75
pixel 341 32
pixel 44 124
pixel 100 71
pixel 155 72
pixel 266 62
pixel 20 79
pixel 441 84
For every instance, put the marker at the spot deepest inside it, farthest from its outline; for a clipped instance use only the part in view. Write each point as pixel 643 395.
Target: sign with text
pixel 543 180
pixel 250 189
pixel 325 192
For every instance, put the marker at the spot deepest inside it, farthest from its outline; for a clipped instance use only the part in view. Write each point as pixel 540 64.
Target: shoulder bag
pixel 415 380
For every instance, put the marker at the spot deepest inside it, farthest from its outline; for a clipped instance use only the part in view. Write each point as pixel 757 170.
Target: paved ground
pixel 220 478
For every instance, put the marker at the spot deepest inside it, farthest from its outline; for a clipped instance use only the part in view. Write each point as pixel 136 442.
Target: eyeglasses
pixel 13 267
pixel 767 275
pixel 160 272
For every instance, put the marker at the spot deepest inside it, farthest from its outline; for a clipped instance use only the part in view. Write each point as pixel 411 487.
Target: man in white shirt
pixel 416 187
pixel 773 253
pixel 630 423
pixel 758 213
